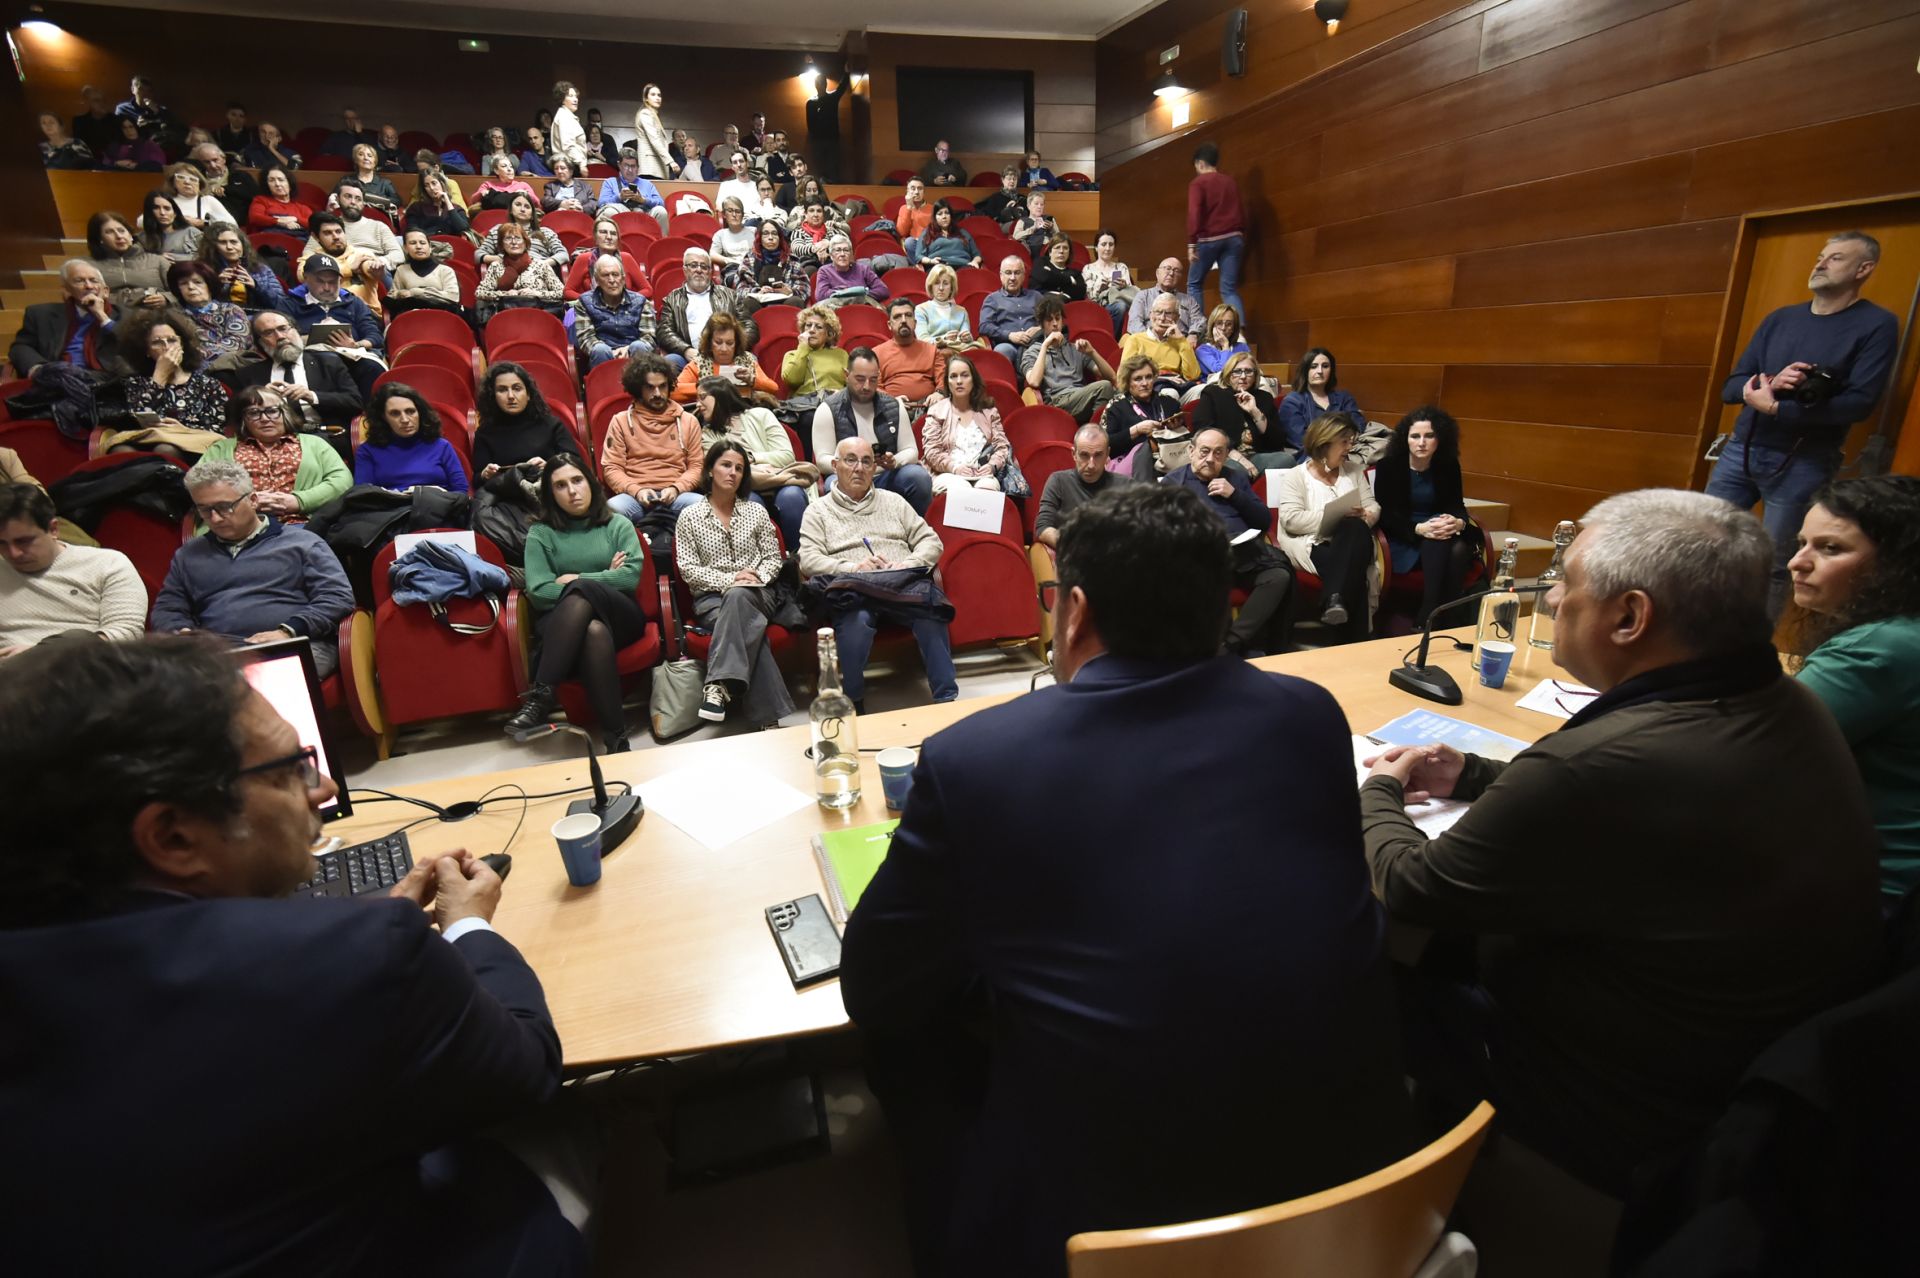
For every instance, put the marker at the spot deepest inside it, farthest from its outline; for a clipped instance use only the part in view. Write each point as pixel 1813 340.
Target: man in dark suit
pixel 1085 1011
pixel 255 1085
pixel 77 330
pixel 1265 623
pixel 318 382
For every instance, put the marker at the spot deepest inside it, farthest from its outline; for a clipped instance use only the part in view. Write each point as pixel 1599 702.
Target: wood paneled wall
pixel 1524 210
pixel 1063 96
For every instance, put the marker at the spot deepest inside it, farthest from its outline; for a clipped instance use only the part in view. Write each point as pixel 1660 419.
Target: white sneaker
pixel 713 703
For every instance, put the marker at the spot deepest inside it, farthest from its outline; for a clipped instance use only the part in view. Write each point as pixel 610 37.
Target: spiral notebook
pixel 848 861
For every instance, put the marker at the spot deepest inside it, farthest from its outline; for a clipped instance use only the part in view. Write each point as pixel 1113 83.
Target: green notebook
pixel 848 861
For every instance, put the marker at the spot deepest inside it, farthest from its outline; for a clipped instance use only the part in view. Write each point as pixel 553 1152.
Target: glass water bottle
pixel 1540 634
pixel 1500 606
pixel 836 740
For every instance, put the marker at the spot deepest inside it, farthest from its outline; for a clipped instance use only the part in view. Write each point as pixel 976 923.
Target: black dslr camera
pixel 1818 386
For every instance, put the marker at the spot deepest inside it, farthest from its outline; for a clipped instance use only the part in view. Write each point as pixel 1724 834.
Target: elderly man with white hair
pixel 1682 873
pixel 77 329
pixel 611 320
pixel 1169 280
pixel 842 280
pixel 685 311
pixel 225 183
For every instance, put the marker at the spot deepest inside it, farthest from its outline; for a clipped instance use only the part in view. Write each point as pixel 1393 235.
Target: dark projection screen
pixel 990 111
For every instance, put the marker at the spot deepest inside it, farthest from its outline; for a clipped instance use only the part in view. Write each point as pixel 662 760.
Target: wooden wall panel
pixel 1524 210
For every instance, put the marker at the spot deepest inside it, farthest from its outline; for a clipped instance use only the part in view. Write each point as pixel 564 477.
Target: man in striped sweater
pixel 50 590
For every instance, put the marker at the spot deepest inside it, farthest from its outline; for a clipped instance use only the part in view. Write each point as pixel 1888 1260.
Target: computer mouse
pixel 501 863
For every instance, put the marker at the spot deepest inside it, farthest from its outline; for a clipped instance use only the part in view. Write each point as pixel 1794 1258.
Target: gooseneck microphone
pixel 618 813
pixel 1431 682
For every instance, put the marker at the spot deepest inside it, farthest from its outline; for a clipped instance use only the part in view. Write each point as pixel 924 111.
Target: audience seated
pixel 269 150
pixel 161 350
pixel 1069 374
pixel 96 126
pixel 732 578
pixel 1134 415
pixel 1053 275
pixel 775 477
pixel 1006 205
pixel 685 311
pixel 1651 948
pixel 611 320
pixel 859 410
pixel 914 216
pixel 433 210
pixel 776 278
pixel 364 247
pixel 1264 623
pixel 1167 283
pixel 841 281
pixel 275 208
pixel 606 244
pixel 353 133
pixel 235 190
pixel 1236 402
pixel 723 354
pixel 693 166
pixel 732 244
pixel 817 365
pixel 1006 315
pixel 404 448
pixel 517 277
pixel 1423 510
pixel 163 233
pixel 375 191
pixel 131 151
pixel 1012 1035
pixel 514 425
pixel 244 279
pixel 1222 342
pixel 81 329
pixel 1163 343
pixel 1036 226
pixel 941 170
pixel 51 592
pixel 311 379
pixel 423 280
pixel 234 135
pixel 942 242
pixel 651 454
pixel 59 149
pixel 860 528
pixel 392 159
pixel 225 335
pixel 909 368
pixel 252 578
pixel 532 160
pixel 1036 175
pixel 133 276
pixel 1343 560
pixel 197 209
pixel 810 239
pixel 763 208
pixel 322 298
pixel 502 184
pixel 568 190
pixel 1316 392
pixel 1068 490
pixel 523 211
pixel 293 474
pixel 602 149
pixel 940 319
pixel 1855 630
pixel 962 439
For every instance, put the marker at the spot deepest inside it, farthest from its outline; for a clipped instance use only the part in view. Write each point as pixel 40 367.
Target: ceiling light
pixel 1330 12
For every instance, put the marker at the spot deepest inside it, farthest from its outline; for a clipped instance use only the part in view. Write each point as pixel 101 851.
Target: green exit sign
pixel 474 46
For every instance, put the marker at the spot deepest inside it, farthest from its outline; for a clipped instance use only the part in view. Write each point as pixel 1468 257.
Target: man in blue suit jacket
pixel 197 1078
pixel 1122 965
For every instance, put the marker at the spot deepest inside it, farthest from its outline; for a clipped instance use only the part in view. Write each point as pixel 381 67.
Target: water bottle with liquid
pixel 836 740
pixel 1540 635
pixel 1500 606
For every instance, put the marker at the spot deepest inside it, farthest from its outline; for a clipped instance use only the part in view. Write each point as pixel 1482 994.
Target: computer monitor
pixel 283 673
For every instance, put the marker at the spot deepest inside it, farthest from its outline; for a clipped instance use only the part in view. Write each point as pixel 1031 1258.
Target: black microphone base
pixel 621 814
pixel 1430 682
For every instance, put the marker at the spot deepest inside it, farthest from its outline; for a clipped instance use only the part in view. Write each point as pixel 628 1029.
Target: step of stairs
pixel 1489 514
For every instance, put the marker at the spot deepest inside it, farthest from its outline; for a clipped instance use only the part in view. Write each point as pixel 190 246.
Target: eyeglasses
pixel 306 759
pixel 858 463
pixel 261 413
pixel 1582 697
pixel 220 508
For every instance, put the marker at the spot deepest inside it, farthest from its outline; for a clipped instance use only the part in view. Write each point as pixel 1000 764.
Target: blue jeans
pixel 786 505
pixel 1786 482
pixel 675 362
pixel 912 481
pixel 602 352
pixel 1228 253
pixel 621 504
pixel 1011 351
pixel 853 637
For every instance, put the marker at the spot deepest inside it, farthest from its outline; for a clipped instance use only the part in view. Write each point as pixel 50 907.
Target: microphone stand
pixel 618 813
pixel 1431 682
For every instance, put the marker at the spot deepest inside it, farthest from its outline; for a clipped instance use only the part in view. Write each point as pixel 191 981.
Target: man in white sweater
pixel 51 590
pixel 857 528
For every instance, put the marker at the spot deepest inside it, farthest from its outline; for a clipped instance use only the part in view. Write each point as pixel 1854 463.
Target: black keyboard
pixel 374 866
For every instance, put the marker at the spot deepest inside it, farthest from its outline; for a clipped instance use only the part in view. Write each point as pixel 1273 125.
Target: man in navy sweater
pixel 1787 440
pixel 1098 997
pixel 252 578
pixel 1265 623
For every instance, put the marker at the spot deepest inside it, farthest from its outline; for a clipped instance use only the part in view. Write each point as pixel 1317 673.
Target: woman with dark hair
pixel 1423 509
pixel 162 232
pixel 161 348
pixel 134 277
pixel 1133 415
pixel 1316 392
pixel 242 278
pixel 775 275
pixel 601 149
pixel 1343 559
pixel 433 209
pixel 276 208
pixel 723 354
pixel 133 151
pixel 583 566
pixel 515 425
pixel 524 212
pixel 651 145
pixel 1855 633
pixel 775 478
pixel 59 149
pixel 1109 282
pixel 225 333
pixel 726 553
pixel 516 278
pixel 1052 274
pixel 404 448
pixel 422 281
pixel 962 441
pixel 944 241
pixel 293 474
pixel 567 137
pixel 1234 401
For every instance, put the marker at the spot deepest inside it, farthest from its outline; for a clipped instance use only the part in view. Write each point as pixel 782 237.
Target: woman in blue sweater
pixel 404 448
pixel 1316 392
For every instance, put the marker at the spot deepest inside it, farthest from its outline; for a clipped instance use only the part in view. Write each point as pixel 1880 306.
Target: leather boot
pixel 536 703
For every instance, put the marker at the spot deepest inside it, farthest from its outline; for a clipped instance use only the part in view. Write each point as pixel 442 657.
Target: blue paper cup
pixel 896 774
pixel 579 838
pixel 1496 658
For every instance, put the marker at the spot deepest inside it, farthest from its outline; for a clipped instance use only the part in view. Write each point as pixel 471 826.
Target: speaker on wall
pixel 1233 44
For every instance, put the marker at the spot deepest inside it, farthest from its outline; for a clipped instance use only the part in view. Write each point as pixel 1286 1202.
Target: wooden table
pixel 669 953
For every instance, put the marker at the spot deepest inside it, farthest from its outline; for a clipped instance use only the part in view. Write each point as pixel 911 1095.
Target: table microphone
pixel 618 813
pixel 1431 682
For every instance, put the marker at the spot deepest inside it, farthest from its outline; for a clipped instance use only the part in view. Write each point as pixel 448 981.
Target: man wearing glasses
pixel 252 578
pixel 329 1063
pixel 316 382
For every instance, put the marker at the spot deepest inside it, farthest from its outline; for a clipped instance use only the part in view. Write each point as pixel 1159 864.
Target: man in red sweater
pixel 1216 230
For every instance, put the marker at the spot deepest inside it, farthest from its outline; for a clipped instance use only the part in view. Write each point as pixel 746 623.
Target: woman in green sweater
pixel 1856 591
pixel 583 566
pixel 293 474
pixel 817 366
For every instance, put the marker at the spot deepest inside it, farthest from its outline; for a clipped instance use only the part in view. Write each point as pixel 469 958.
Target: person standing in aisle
pixel 1216 230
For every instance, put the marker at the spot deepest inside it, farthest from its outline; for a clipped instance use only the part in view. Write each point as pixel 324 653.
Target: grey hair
pixel 66 267
pixel 696 252
pixel 1705 562
pixel 1016 261
pixel 835 241
pixel 1092 432
pixel 1869 245
pixel 209 471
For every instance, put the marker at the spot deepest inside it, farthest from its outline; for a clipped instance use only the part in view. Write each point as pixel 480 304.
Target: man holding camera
pixel 1810 372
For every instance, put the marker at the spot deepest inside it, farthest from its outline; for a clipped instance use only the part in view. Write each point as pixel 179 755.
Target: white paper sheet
pixel 460 540
pixel 1431 817
pixel 718 806
pixel 1336 510
pixel 1273 488
pixel 1560 698
pixel 978 509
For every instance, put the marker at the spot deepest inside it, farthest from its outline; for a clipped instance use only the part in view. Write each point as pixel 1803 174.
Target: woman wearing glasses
pixel 293 474
pixel 166 378
pixel 1856 629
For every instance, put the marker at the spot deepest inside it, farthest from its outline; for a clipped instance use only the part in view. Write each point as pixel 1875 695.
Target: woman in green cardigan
pixel 583 565
pixel 817 366
pixel 1856 620
pixel 293 474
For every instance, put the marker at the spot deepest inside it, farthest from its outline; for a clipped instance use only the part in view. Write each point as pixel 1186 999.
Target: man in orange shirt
pixel 916 214
pixel 651 458
pixel 909 367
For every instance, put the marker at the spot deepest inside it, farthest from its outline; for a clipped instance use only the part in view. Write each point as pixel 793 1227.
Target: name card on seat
pixel 975 509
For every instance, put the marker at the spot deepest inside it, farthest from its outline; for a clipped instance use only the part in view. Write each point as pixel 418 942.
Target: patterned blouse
pixel 709 553
pixel 271 467
pixel 224 329
pixel 199 402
